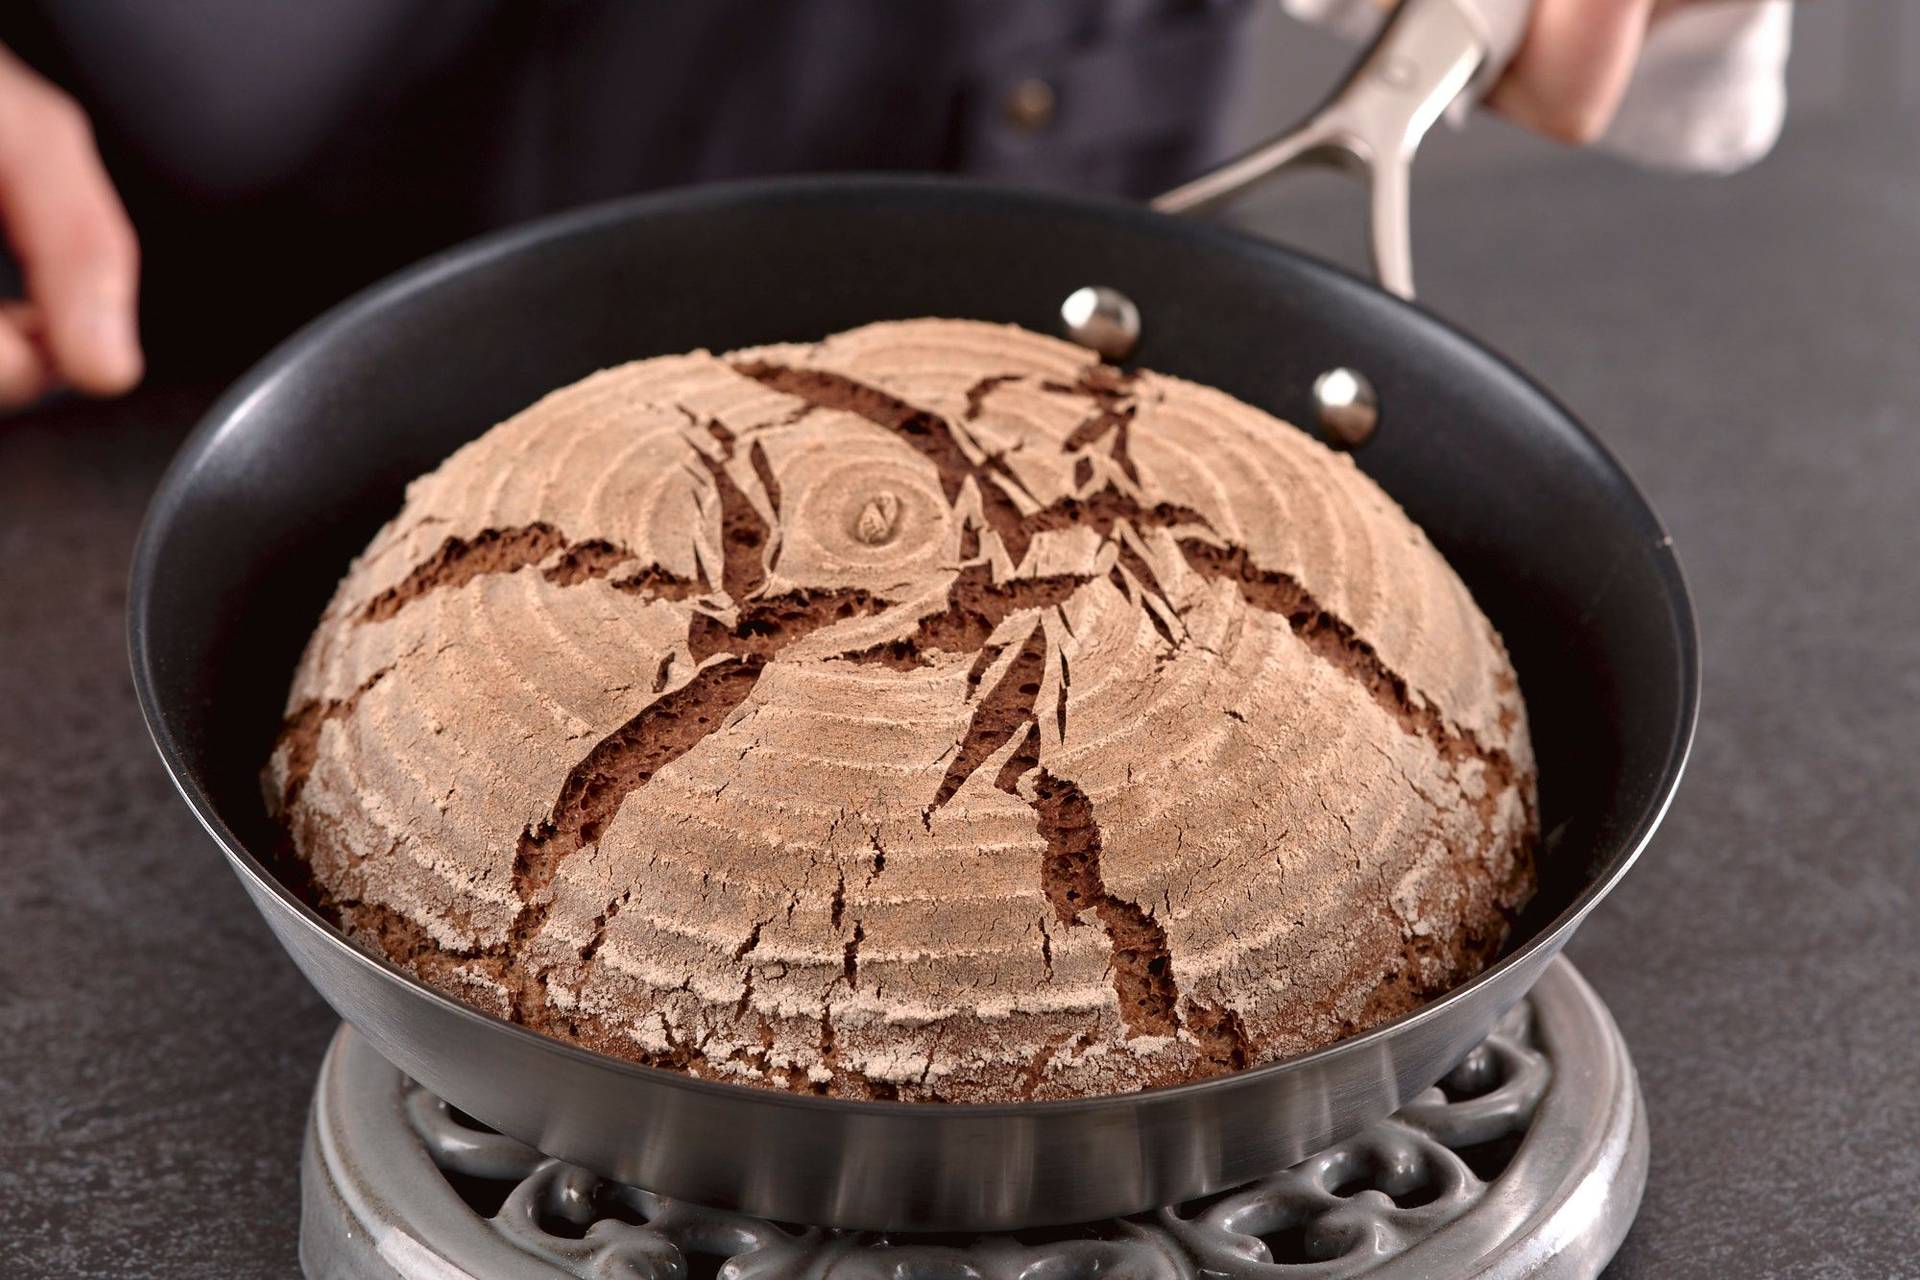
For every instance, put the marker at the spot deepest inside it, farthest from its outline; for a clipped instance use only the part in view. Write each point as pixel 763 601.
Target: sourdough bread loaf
pixel 928 713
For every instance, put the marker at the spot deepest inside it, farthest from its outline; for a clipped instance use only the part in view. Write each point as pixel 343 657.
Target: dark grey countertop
pixel 1751 348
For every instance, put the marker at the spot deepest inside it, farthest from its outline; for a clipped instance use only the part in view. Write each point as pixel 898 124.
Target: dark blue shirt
pixel 277 155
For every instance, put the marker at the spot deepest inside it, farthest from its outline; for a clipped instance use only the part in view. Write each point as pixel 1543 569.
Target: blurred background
pixel 1859 56
pixel 1854 71
pixel 1746 344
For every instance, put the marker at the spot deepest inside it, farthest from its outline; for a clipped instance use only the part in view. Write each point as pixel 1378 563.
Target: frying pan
pixel 295 468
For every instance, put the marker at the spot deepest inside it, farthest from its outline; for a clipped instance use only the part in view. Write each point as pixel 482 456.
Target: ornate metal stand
pixel 1528 1160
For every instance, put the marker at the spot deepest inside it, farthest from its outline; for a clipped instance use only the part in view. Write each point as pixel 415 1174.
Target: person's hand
pixel 79 260
pixel 1574 65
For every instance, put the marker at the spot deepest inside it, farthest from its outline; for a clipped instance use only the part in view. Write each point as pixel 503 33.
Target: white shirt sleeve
pixel 1709 92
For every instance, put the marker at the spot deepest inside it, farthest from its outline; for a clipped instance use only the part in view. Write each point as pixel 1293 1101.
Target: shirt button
pixel 1030 105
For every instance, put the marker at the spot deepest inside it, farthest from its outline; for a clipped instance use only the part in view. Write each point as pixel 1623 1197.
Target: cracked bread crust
pixel 925 713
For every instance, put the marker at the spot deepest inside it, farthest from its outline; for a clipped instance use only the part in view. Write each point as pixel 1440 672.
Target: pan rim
pixel 232 409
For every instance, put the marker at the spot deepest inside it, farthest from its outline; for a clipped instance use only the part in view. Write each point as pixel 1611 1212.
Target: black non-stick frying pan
pixel 297 466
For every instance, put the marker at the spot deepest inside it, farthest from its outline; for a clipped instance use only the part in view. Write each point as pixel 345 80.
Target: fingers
pixel 75 245
pixel 26 369
pixel 1573 67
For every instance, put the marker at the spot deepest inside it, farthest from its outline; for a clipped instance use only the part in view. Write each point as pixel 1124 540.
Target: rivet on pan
pixel 1347 406
pixel 1103 319
pixel 1399 73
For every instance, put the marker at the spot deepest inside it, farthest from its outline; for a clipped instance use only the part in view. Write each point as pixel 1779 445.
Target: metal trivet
pixel 1527 1160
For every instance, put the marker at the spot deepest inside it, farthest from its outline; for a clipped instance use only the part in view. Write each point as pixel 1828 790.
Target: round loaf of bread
pixel 928 713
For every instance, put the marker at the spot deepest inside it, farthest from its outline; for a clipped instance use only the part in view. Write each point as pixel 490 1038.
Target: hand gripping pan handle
pixel 1425 55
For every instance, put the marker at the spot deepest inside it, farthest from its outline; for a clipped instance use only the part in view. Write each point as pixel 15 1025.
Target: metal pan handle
pixel 1426 54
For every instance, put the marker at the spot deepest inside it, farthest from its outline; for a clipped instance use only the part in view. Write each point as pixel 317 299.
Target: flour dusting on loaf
pixel 929 713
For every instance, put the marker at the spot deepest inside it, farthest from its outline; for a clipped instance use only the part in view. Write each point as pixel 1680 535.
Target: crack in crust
pixel 584 561
pixel 851 960
pixel 1111 391
pixel 1142 964
pixel 1107 509
pixel 1002 712
pixel 618 765
pixel 977 393
pixel 600 923
pixel 460 560
pixel 744 533
pixel 768 625
pixel 651 582
pixel 976 606
pixel 658 734
pixel 299 738
pixel 1220 1033
pixel 1330 638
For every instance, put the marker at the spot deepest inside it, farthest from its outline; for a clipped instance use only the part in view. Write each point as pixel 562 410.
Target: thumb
pixel 1573 66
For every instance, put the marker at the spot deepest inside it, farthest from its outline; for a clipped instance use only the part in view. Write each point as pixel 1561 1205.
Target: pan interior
pixel 295 470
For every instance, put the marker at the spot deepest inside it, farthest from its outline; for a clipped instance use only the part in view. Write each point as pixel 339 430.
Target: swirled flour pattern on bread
pixel 930 712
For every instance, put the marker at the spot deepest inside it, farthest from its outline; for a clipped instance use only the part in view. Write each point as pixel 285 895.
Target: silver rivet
pixel 1030 105
pixel 1399 73
pixel 1103 319
pixel 1347 406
